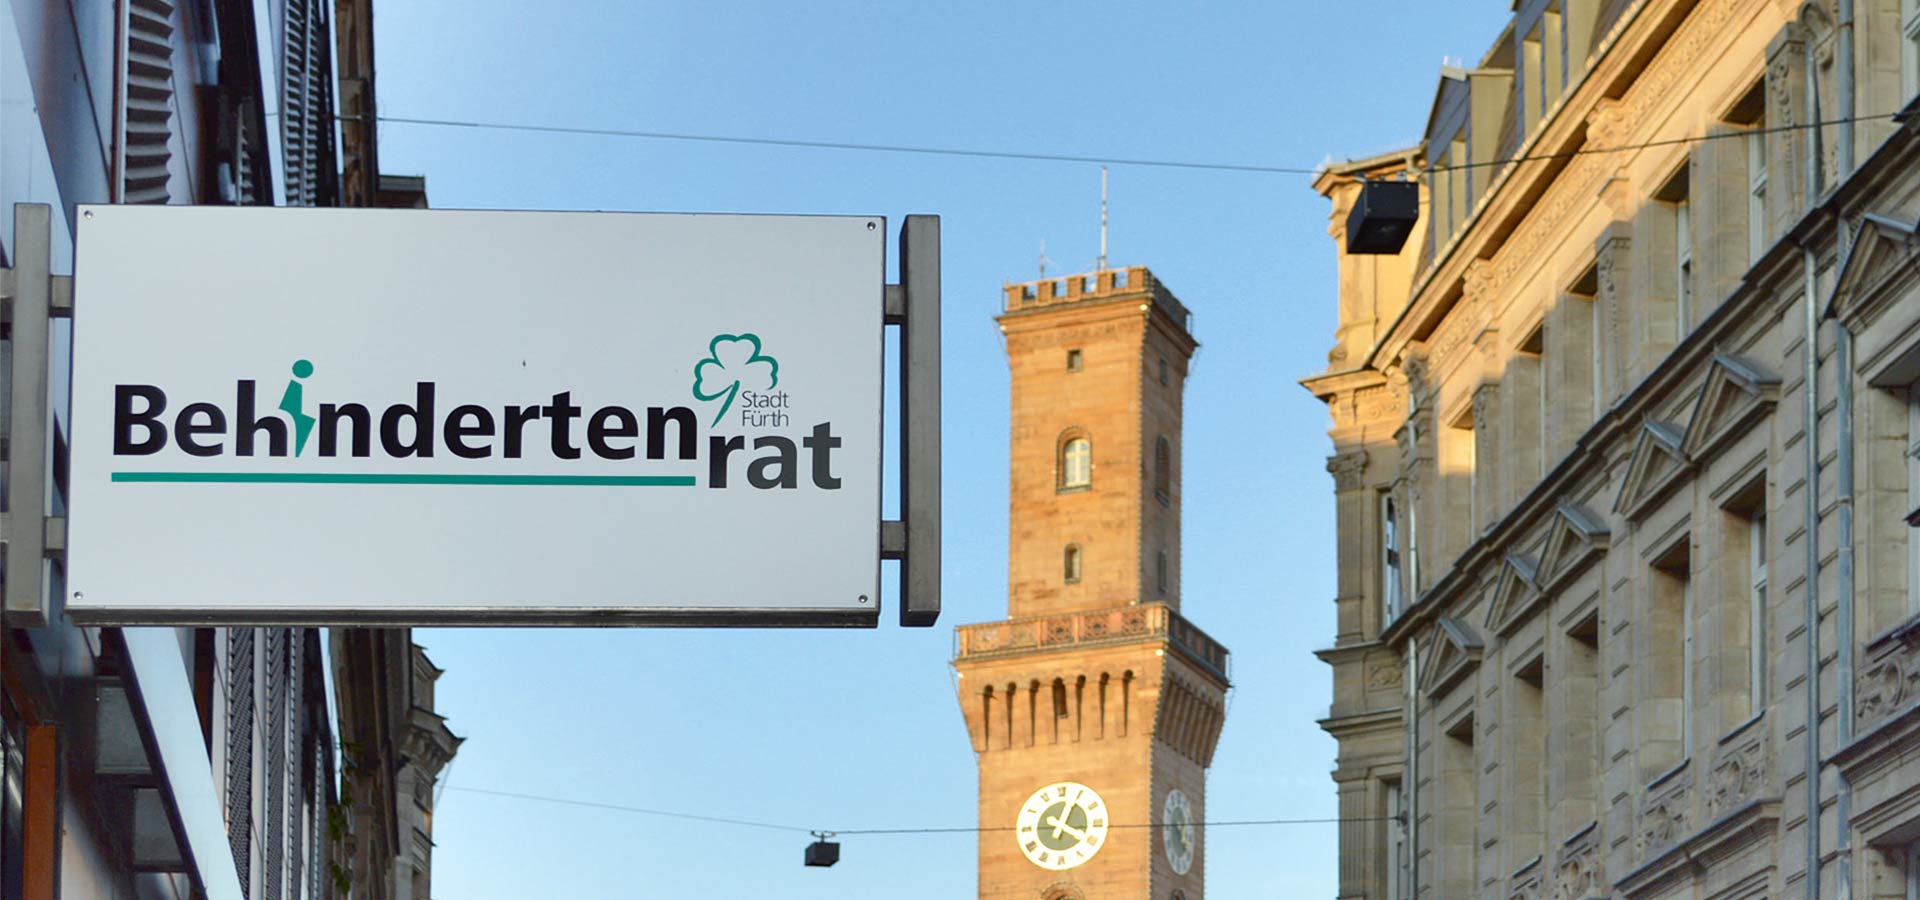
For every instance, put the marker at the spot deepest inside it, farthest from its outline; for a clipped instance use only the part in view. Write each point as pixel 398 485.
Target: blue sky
pixel 861 729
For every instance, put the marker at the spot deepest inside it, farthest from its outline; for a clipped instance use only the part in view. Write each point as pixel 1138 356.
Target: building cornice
pixel 1604 441
pixel 1620 65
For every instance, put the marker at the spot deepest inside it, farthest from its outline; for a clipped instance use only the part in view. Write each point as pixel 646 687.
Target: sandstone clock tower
pixel 1095 707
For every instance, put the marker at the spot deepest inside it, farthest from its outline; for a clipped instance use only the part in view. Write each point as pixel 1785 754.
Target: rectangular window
pixel 1529 735
pixel 1389 560
pixel 1413 548
pixel 1686 667
pixel 1457 812
pixel 1534 348
pixel 1396 841
pixel 1910 48
pixel 1160 570
pixel 1674 194
pixel 1074 361
pixel 1913 870
pixel 1577 754
pixel 1757 192
pixel 1683 266
pixel 1462 181
pixel 1671 621
pixel 1597 336
pixel 1913 498
pixel 1757 613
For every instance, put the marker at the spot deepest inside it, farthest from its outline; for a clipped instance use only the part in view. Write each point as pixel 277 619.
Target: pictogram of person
pixel 295 406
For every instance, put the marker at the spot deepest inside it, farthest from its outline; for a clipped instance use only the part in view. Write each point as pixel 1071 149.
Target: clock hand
pixel 1060 825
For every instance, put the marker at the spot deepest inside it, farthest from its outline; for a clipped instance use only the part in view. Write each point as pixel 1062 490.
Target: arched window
pixel 1160 570
pixel 1071 564
pixel 1076 464
pixel 1163 469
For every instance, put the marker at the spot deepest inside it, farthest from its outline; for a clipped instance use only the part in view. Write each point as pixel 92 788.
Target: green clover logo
pixel 734 361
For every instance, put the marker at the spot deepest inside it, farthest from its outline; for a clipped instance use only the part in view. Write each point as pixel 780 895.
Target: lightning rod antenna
pixel 1043 259
pixel 1102 267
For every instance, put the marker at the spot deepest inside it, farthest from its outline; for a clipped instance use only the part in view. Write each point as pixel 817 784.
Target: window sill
pixel 1076 489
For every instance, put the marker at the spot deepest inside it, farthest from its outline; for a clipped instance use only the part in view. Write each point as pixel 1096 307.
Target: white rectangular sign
pixel 329 415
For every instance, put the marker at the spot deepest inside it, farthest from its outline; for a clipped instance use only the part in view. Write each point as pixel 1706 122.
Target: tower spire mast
pixel 1102 265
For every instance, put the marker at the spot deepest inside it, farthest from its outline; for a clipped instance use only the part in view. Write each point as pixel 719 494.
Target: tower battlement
pixel 1109 284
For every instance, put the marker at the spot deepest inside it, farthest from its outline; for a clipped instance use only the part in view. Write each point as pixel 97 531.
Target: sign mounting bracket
pixel 914 306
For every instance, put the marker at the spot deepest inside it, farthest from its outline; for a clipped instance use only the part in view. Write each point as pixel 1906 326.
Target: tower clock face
pixel 1062 825
pixel 1178 834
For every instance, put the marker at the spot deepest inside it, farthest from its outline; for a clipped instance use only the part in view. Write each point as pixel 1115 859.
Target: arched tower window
pixel 1163 469
pixel 1071 564
pixel 1076 463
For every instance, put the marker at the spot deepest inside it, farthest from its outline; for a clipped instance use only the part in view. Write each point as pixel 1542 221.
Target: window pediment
pixel 1885 250
pixel 1455 655
pixel 1658 463
pixel 1737 393
pixel 1577 538
pixel 1515 595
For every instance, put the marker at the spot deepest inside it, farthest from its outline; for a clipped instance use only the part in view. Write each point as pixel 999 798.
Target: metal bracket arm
pixel 33 296
pixel 914 305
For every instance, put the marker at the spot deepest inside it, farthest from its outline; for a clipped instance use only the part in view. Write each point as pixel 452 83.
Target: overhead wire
pixel 1032 156
pixel 777 826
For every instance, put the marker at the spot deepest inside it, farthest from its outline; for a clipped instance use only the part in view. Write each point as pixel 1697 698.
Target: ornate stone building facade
pixel 1625 458
pixel 1094 707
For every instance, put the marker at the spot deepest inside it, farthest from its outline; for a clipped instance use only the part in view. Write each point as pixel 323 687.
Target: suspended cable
pixel 1075 158
pixel 843 145
pixel 629 809
pixel 616 807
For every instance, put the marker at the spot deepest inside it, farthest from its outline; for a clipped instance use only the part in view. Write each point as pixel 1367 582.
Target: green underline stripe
pixel 391 478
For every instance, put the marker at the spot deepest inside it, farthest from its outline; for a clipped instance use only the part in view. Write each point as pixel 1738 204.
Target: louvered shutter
pixel 240 712
pixel 296 764
pixel 149 101
pixel 304 100
pixel 273 837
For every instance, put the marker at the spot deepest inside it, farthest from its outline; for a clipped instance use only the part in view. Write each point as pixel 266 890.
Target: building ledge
pixel 1719 839
pixel 1134 623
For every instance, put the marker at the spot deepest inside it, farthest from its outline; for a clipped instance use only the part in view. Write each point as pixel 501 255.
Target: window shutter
pixel 149 101
pixel 306 127
pixel 245 190
pixel 274 739
pixel 240 708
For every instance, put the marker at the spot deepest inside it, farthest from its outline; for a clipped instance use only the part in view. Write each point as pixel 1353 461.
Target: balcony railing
pixel 1090 628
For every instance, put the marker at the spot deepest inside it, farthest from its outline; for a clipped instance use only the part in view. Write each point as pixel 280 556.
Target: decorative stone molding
pixel 1577 869
pixel 1604 123
pixel 1477 282
pixel 1349 470
pixel 1464 321
pixel 1741 769
pixel 1879 264
pixel 1677 64
pixel 1378 404
pixel 1663 815
pixel 1737 393
pixel 1575 538
pixel 1455 655
pixel 1483 402
pixel 1889 679
pixel 1419 388
pixel 1385 670
pixel 1516 593
pixel 1530 883
pixel 1656 465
